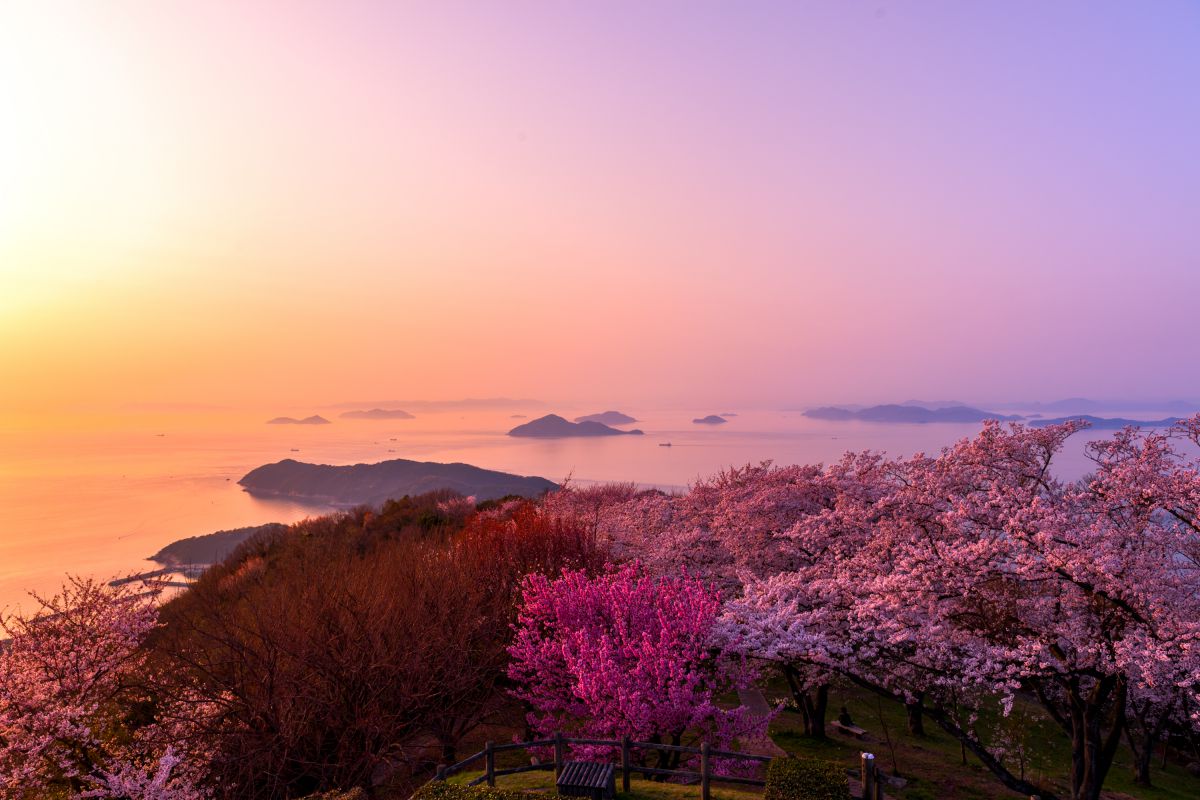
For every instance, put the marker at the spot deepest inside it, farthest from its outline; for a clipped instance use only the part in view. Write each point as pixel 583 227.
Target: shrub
pixel 805 779
pixel 441 790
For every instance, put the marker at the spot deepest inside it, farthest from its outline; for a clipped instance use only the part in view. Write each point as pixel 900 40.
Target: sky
pixel 696 202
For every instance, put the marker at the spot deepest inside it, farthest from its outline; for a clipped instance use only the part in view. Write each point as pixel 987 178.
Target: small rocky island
pixel 552 426
pixel 711 419
pixel 372 484
pixel 315 419
pixel 608 418
pixel 377 413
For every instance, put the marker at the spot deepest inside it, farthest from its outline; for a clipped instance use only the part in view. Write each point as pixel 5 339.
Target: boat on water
pixel 664 444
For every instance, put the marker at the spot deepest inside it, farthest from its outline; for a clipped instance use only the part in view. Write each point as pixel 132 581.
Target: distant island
pixel 466 404
pixel 1088 406
pixel 315 419
pixel 377 413
pixel 906 413
pixel 607 418
pixel 552 426
pixel 211 547
pixel 1109 423
pixel 372 484
pixel 711 419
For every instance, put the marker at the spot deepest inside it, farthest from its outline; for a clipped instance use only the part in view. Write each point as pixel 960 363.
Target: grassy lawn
pixel 933 765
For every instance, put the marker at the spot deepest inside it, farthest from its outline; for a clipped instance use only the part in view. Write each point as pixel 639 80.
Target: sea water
pixel 98 497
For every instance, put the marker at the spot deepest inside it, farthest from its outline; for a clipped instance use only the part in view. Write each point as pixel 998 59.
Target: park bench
pixel 850 730
pixel 587 779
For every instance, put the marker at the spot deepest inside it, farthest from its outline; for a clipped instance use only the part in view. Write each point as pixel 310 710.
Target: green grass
pixel 933 764
pixel 543 782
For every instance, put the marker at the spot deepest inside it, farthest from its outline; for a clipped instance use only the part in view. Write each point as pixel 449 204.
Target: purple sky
pixel 740 203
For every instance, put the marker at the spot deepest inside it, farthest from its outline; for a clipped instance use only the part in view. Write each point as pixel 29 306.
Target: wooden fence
pixel 627 747
pixel 872 779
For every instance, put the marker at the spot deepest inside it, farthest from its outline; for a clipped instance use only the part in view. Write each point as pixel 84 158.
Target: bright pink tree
pixel 729 529
pixel 626 654
pixel 68 678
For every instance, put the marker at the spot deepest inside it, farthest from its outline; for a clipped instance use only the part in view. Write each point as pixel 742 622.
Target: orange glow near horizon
pixel 264 203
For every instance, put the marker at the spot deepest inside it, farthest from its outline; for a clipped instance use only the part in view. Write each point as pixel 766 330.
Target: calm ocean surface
pixel 99 504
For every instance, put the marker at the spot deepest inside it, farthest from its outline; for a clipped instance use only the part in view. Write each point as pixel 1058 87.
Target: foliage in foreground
pixel 342 650
pixel 72 684
pixel 805 779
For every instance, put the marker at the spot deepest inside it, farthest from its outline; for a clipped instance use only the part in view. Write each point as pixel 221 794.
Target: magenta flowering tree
pixel 627 654
pixel 69 678
pixel 729 529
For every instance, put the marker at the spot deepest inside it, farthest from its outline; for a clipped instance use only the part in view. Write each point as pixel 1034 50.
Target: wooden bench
pixel 850 730
pixel 587 779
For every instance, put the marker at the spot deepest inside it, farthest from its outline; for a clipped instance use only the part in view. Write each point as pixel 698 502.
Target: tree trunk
pixel 1154 730
pixel 1141 763
pixel 813 702
pixel 916 714
pixel 1096 728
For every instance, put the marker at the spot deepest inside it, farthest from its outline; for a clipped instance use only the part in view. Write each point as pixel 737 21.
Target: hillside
pixel 372 484
pixel 315 419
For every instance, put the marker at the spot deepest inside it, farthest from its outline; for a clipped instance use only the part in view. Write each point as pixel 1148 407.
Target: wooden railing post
pixel 489 758
pixel 625 758
pixel 705 771
pixel 560 754
pixel 867 776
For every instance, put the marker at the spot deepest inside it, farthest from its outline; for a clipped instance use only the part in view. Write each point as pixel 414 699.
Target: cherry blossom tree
pixel 626 654
pixel 982 575
pixel 70 678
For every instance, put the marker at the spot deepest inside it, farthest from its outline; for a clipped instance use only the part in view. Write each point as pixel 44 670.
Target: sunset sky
pixel 740 203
